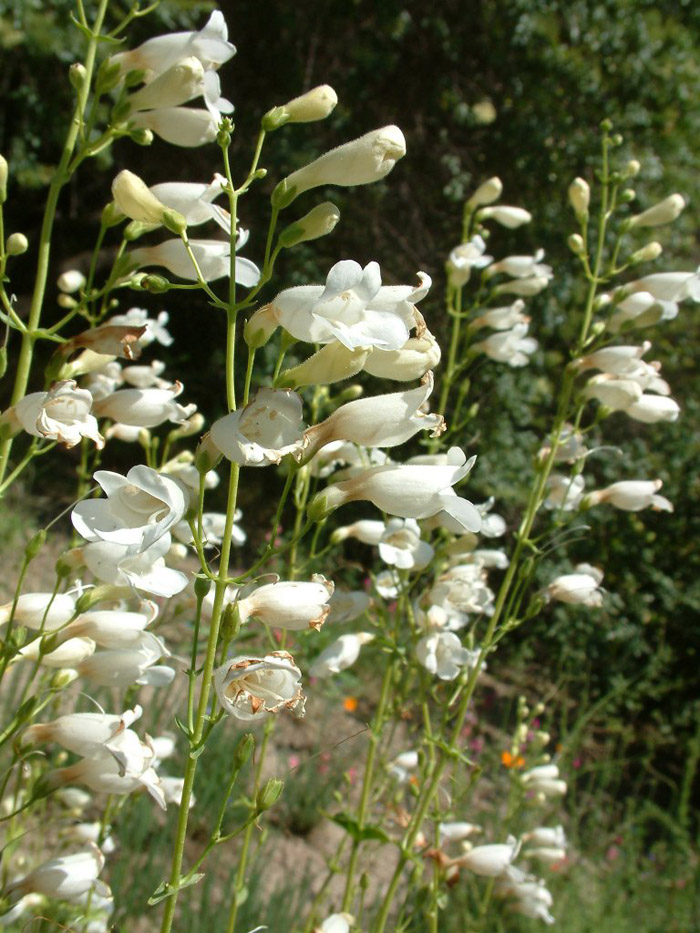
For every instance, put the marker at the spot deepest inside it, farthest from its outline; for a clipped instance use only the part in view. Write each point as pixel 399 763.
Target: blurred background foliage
pixel 516 88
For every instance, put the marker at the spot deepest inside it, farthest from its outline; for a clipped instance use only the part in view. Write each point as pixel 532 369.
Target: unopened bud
pixel 627 195
pixel 142 136
pixel 71 281
pixel 35 544
pixel 580 197
pixel 269 794
pixel 665 212
pixel 207 456
pixel 317 223
pixel 632 168
pixel 108 76
pixel 135 199
pixel 648 253
pixel 244 750
pixel 488 192
pixel 66 301
pixel 17 243
pixel 201 587
pixel 576 244
pixel 77 75
pixel 63 678
pixel 155 284
pixel 316 104
pixel 193 425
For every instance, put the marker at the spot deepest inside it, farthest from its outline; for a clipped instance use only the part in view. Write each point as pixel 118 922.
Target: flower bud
pixel 4 172
pixel 269 794
pixel 507 216
pixel 244 750
pixel 107 76
pixel 576 244
pixel 141 136
pixel 632 168
pixel 71 281
pixel 17 243
pixel 134 198
pixel 627 195
pixel 317 223
pixel 155 284
pixel 77 75
pixel 580 197
pixel 647 253
pixel 359 162
pixel 665 212
pixel 487 192
pixel 316 104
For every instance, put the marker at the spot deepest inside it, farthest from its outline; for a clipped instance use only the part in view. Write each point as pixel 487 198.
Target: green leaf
pixel 358 833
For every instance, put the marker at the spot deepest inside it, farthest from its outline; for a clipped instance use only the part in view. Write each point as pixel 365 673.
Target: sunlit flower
pixel 544 781
pixel 294 605
pixel 62 414
pixel 145 408
pixel 125 565
pixel 631 496
pixel 213 259
pixel 401 546
pixel 581 588
pixel 508 346
pixel 45 611
pixel 442 653
pixel 268 428
pixel 490 860
pixel 65 877
pixel 250 688
pixel 339 655
pixel 155 329
pixel 464 258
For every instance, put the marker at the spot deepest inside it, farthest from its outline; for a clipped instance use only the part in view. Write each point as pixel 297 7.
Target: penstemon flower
pixel 62 414
pixel 250 688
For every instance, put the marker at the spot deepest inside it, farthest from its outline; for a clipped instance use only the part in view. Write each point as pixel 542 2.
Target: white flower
pixel 525 287
pixel 41 611
pixel 124 565
pixel 288 604
pixel 210 45
pixel 336 923
pixel 125 666
pixel 521 267
pixel 353 308
pixel 379 421
pixel 86 734
pixel 665 212
pixel 456 831
pixel 487 192
pixel 581 588
pixel 191 199
pixel 213 259
pixel 145 408
pixel 464 258
pixel 110 628
pixel 68 655
pixel 62 414
pixel 490 860
pixel 404 763
pixel 564 492
pixel 400 545
pixel 188 127
pixel 134 198
pixel 180 83
pixel 442 653
pixel 506 215
pixel 546 836
pixel 155 330
pixel 316 104
pixel 139 509
pixel 508 346
pixel 268 428
pixel 544 781
pixel 213 527
pixel 651 409
pixel 668 286
pixel 71 281
pixel 250 688
pixel 359 162
pixel 347 605
pixel 65 877
pixel 580 196
pixel 340 654
pixel 503 318
pixel 104 774
pixel 408 490
pixel 614 392
pixel 631 496
pixel 368 531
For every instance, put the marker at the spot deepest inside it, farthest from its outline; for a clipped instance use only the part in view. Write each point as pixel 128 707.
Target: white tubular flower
pixel 487 192
pixel 581 588
pixel 62 414
pixel 105 775
pixel 40 611
pixel 506 215
pixel 336 923
pixel 110 628
pixel 267 429
pixel 521 267
pixel 651 409
pixel 209 44
pixel 353 308
pixel 145 408
pixel 615 392
pixel 66 877
pixel 526 287
pixel 86 734
pixel 290 605
pixel 508 346
pixel 188 127
pixel 403 764
pixel 456 831
pixel 366 530
pixel 546 836
pixel 408 490
pixel 564 492
pixel 340 654
pixel 614 360
pixel 665 212
pixel 155 329
pixel 442 653
pixel 380 421
pixel 544 781
pixel 139 509
pixel 126 666
pixel 360 162
pixel 145 377
pixel 641 309
pixel 213 259
pixel 668 286
pixel 347 605
pixel 400 545
pixel 490 860
pixel 464 258
pixel 501 318
pixel 631 496
pixel 250 689
pixel 124 565
pixel 67 655
pixel 411 361
pixel 135 199
pixel 547 854
pixel 316 104
pixel 177 85
pixel 580 196
pixel 192 200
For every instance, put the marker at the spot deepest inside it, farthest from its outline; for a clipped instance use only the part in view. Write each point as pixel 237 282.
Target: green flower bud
pixel 576 244
pixel 107 76
pixel 4 172
pixel 244 750
pixel 580 197
pixel 202 585
pixel 16 244
pixel 142 136
pixel 317 223
pixel 155 284
pixel 35 544
pixel 269 794
pixel 77 75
